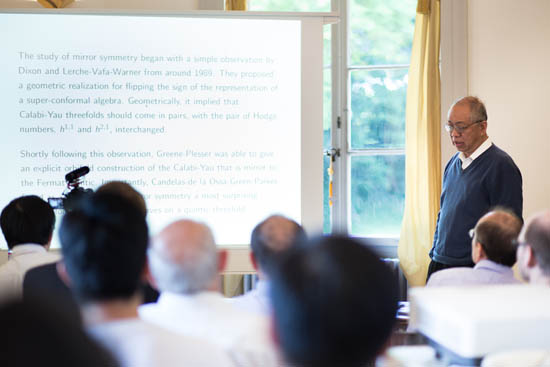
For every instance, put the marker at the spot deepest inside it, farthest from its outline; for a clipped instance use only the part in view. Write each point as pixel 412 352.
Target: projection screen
pixel 214 118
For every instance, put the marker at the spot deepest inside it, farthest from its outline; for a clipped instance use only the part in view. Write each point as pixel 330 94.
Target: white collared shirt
pixel 23 257
pixel 208 316
pixel 255 301
pixel 137 343
pixel 466 161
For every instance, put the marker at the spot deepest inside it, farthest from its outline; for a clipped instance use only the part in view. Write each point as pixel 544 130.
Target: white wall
pixel 454 64
pixel 499 50
pixel 509 68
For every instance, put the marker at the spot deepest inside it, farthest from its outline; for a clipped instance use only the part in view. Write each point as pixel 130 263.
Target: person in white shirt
pixel 184 264
pixel 104 244
pixel 27 224
pixel 494 244
pixel 269 239
pixel 534 249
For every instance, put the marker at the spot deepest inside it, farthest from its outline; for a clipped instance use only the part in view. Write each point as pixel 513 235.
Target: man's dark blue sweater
pixel 492 179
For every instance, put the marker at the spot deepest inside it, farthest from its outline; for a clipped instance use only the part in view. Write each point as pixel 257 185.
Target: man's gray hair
pixel 478 112
pixel 186 274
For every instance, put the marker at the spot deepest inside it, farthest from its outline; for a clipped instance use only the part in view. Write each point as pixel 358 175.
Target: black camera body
pixel 69 200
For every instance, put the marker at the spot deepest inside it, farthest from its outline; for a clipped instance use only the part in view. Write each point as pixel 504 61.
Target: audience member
pixel 125 190
pixel 185 265
pixel 334 303
pixel 36 332
pixel 494 244
pixel 534 249
pixel 45 279
pixel 27 224
pixel 269 239
pixel 104 244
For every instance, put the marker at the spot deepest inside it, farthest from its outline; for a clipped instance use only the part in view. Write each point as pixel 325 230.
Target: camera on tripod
pixel 74 193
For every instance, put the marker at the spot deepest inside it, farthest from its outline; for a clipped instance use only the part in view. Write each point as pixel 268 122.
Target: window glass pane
pixel 327 108
pixel 327 49
pixel 327 124
pixel 378 99
pixel 326 206
pixel 327 87
pixel 381 31
pixel 289 5
pixel 377 195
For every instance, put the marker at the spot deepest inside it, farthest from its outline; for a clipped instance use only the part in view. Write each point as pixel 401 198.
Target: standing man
pixel 478 177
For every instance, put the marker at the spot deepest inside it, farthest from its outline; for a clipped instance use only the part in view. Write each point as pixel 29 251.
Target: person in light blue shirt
pixel 494 244
pixel 270 238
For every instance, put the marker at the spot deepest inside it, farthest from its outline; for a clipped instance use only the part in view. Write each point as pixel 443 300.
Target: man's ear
pixel 530 259
pixel 222 260
pixel 478 253
pixel 253 261
pixel 484 125
pixel 62 272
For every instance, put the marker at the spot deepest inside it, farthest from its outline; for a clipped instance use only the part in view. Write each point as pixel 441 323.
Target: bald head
pixel 273 236
pixel 497 232
pixel 536 234
pixel 183 257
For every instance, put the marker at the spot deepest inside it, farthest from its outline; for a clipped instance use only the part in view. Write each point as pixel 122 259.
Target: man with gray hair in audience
pixel 269 239
pixel 184 266
pixel 534 249
pixel 494 244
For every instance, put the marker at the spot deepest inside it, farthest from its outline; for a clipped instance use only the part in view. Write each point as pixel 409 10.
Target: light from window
pixel 379 42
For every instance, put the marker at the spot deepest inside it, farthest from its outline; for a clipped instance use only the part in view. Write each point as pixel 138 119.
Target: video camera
pixel 74 193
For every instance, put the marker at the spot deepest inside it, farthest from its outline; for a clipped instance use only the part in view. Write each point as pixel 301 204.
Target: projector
pixel 466 323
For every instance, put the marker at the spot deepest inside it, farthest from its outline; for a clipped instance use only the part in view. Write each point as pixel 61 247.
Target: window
pixel 289 5
pixel 379 39
pixel 374 39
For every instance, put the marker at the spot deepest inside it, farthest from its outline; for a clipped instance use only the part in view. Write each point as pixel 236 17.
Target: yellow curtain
pixel 423 146
pixel 232 284
pixel 236 4
pixel 55 3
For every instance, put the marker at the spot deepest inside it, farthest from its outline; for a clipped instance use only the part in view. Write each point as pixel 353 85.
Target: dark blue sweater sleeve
pixel 506 186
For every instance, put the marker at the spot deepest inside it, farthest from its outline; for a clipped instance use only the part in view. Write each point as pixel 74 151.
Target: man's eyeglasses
pixel 459 128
